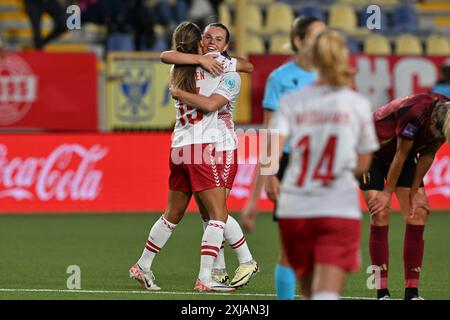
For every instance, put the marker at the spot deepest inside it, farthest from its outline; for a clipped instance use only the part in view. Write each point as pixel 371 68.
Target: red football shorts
pixel 193 168
pixel 328 241
pixel 228 166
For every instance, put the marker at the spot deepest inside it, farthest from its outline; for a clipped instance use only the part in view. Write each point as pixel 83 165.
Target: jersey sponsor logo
pixel 410 131
pixel 18 89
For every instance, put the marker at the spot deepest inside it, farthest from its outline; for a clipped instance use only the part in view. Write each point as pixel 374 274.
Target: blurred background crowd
pixel 407 26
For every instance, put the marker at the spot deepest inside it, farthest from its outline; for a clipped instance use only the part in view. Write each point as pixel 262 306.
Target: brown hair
pixel 300 28
pixel 331 58
pixel 186 38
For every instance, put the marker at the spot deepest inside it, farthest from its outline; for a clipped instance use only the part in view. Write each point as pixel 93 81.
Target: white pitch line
pixel 156 292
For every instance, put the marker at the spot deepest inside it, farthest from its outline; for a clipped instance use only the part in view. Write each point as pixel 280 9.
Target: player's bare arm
pixel 243 65
pixel 381 200
pixel 203 103
pixel 208 62
pixel 416 199
pixel 272 184
pixel 249 213
pixel 363 164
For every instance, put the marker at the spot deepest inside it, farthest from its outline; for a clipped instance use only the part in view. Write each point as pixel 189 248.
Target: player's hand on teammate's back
pixel 380 202
pixel 210 64
pixel 248 217
pixel 273 188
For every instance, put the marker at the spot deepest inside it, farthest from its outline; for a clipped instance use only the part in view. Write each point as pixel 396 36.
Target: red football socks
pixel 413 248
pixel 379 252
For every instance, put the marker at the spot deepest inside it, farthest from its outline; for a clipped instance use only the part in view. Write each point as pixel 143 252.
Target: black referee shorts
pixel 375 178
pixel 281 170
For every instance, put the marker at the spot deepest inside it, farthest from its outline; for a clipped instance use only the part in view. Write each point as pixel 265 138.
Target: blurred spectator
pixel 110 13
pixel 202 12
pixel 141 19
pixel 35 9
pixel 170 13
pixel 443 85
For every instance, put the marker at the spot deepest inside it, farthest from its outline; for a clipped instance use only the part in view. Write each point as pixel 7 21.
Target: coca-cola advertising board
pixel 380 78
pixel 124 173
pixel 83 173
pixel 48 91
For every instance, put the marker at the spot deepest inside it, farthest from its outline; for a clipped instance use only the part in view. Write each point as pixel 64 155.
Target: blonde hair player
pixel 331 134
pixel 289 77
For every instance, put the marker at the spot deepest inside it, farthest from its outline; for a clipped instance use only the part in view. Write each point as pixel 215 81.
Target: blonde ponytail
pixel 331 58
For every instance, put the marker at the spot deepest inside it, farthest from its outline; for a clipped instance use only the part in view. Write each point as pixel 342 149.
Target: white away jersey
pixel 229 88
pixel 327 128
pixel 195 127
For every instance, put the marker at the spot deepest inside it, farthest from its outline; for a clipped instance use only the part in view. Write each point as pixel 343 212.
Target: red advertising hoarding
pixel 125 173
pixel 48 91
pixel 380 78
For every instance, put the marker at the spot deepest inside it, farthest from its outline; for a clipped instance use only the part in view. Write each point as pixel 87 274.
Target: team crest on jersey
pixel 135 87
pixel 230 84
pixel 410 131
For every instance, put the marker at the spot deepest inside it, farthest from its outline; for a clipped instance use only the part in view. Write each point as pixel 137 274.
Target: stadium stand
pixel 408 44
pixel 255 45
pixel 280 44
pixel 437 45
pixel 405 18
pixel 279 18
pixel 344 18
pixel 270 20
pixel 377 44
pixel 254 19
pixel 312 12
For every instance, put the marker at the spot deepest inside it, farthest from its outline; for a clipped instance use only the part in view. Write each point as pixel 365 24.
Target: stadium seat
pixel 437 45
pixel 433 6
pixel 377 44
pixel 261 2
pixel 255 45
pixel 11 5
pixel 312 12
pixel 385 3
pixel 344 18
pixel 279 18
pixel 254 19
pixel 405 19
pixel 120 42
pixel 225 16
pixel 280 44
pixel 442 22
pixel 353 2
pixel 352 45
pixel 408 44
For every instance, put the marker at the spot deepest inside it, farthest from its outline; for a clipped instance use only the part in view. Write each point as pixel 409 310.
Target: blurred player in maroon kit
pixel 410 130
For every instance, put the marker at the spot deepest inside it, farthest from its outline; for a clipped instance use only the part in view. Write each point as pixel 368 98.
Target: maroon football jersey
pixel 407 118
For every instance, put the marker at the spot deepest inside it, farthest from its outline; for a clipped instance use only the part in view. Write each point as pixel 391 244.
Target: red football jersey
pixel 407 118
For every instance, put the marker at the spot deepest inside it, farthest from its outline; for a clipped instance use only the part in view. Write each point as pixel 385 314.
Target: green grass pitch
pixel 36 251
